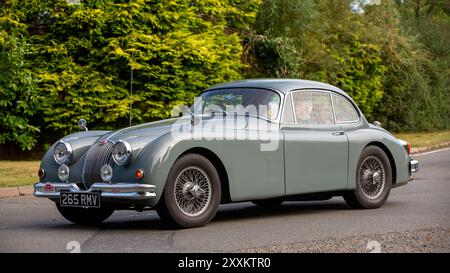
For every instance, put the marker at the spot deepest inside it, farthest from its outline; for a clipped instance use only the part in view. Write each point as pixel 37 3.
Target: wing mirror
pixel 377 123
pixel 82 124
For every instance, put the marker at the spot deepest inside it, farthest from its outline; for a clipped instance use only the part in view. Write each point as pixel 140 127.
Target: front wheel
pixel 85 216
pixel 373 180
pixel 192 192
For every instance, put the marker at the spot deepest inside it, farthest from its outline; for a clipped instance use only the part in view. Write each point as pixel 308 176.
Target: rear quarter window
pixel 344 110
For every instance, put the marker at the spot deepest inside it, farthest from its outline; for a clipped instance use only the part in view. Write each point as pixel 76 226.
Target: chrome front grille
pixel 97 156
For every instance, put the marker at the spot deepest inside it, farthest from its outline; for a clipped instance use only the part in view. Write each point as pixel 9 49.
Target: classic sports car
pixel 264 141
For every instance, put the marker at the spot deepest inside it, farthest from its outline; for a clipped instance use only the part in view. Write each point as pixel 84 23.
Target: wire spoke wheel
pixel 192 191
pixel 372 177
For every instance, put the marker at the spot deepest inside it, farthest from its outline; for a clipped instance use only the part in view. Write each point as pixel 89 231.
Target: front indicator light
pixel 139 174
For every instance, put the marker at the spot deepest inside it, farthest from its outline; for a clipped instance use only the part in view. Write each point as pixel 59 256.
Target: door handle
pixel 338 133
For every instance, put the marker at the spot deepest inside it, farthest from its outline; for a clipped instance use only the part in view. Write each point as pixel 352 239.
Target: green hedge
pixel 74 61
pixel 60 62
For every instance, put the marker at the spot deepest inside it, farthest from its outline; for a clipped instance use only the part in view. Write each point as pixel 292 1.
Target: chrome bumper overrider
pixel 113 191
pixel 414 166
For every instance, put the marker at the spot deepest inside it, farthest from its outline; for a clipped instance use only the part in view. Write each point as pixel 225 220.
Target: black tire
pixel 168 208
pixel 357 198
pixel 85 216
pixel 268 203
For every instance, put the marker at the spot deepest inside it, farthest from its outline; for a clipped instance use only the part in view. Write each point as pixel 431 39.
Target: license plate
pixel 80 199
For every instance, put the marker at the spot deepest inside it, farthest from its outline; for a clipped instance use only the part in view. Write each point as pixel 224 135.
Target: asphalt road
pixel 413 213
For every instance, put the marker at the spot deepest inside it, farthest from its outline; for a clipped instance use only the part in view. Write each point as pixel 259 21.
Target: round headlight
pixel 62 153
pixel 106 173
pixel 121 153
pixel 63 173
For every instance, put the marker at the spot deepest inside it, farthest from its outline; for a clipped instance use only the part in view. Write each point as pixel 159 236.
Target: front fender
pixel 156 160
pixel 361 138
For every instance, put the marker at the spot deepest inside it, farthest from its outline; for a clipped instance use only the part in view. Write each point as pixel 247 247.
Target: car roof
pixel 281 85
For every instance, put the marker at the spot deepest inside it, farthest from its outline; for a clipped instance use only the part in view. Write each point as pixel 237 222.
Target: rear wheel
pixel 192 192
pixel 85 216
pixel 373 180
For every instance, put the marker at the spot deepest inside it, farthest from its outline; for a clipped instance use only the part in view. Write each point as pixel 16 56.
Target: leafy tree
pixel 18 94
pixel 82 56
pixel 304 39
pixel 417 94
pixel 370 51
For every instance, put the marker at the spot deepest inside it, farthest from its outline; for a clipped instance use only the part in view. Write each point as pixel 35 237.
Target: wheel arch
pixel 389 155
pixel 220 167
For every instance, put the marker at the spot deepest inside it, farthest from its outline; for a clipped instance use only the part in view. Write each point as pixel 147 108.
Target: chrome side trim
pixel 129 152
pixel 279 93
pixel 69 152
pixel 293 108
pixel 118 191
pixel 331 94
pixel 332 107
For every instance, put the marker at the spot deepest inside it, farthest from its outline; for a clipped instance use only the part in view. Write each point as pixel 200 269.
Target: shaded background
pixel 61 61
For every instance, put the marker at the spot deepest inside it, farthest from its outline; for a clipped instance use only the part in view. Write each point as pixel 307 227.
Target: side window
pixel 313 107
pixel 345 112
pixel 288 112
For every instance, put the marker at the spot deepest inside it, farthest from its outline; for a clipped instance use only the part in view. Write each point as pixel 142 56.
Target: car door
pixel 315 147
pixel 348 117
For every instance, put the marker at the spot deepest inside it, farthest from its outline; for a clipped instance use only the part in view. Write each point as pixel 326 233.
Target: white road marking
pixel 431 152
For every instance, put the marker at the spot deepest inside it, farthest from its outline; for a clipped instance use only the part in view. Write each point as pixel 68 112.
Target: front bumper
pixel 123 191
pixel 413 166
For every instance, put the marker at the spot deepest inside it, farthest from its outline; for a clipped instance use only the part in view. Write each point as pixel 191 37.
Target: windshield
pixel 258 102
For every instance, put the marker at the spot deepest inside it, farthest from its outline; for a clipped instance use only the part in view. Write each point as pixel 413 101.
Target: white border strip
pixel 432 152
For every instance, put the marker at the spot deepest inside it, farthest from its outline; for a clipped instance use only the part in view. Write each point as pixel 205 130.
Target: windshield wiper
pixel 224 113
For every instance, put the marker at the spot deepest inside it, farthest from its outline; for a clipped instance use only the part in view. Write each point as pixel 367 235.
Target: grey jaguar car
pixel 264 141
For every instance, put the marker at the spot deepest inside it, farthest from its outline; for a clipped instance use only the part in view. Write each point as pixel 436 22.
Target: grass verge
pixel 18 173
pixel 425 139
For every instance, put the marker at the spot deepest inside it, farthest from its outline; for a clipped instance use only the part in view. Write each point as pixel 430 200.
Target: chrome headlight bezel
pixel 121 153
pixel 67 154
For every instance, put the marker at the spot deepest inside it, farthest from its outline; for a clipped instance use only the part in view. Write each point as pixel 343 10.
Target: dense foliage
pixel 321 46
pixel 369 51
pixel 424 65
pixel 61 61
pixel 19 98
